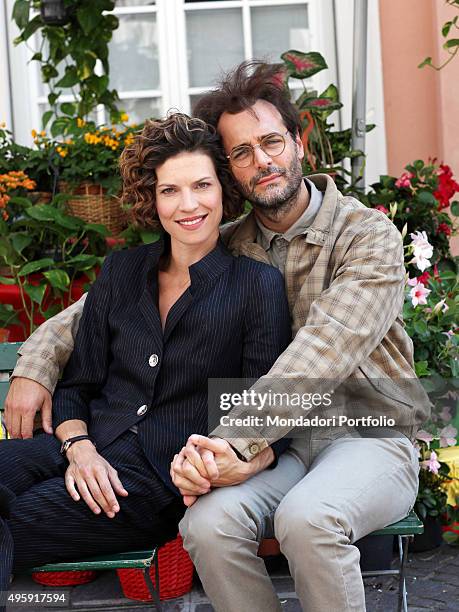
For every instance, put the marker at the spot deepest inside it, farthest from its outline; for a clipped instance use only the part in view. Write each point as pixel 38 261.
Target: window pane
pixel 276 29
pixel 134 2
pixel 141 109
pixel 214 44
pixel 133 54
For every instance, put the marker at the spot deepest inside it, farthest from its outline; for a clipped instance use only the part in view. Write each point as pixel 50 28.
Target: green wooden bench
pixel 144 559
pixel 139 559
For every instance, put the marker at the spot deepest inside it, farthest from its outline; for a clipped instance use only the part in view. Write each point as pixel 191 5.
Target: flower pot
pixel 91 203
pixel 430 539
pixel 375 552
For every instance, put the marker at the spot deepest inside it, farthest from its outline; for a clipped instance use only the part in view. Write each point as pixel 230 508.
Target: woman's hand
pixel 96 480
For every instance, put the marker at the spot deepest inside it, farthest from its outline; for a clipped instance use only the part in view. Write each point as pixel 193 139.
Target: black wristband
pixel 66 444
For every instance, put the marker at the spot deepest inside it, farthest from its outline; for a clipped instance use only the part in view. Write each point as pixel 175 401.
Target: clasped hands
pixel 205 463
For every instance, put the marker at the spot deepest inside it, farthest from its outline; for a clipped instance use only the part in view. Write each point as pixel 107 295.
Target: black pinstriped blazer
pixel 233 321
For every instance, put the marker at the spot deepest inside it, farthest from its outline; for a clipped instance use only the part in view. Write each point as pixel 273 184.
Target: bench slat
pixel 135 559
pixel 410 525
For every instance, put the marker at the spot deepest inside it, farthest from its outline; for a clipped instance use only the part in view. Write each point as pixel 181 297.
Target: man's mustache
pixel 265 173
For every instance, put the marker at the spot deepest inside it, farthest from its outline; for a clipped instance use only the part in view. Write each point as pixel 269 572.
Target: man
pixel 344 273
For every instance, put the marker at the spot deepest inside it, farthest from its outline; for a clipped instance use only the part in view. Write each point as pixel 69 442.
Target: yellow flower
pixel 34 133
pixel 124 117
pixel 2 124
pixel 80 122
pixel 42 133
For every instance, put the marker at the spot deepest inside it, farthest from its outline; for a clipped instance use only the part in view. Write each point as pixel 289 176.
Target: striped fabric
pixel 232 321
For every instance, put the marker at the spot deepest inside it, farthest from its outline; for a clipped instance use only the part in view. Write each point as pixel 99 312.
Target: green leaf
pixel 30 29
pixel 455 208
pixel 52 97
pixel 321 104
pixel 420 327
pixel 98 228
pixel 43 212
pixel 83 261
pixel 21 13
pixel 148 237
pixel 71 223
pixel 303 65
pixel 37 56
pixel 20 242
pixel 68 108
pixel 70 77
pixel 46 117
pixel 426 197
pixel 446 28
pixel 36 292
pixel 59 279
pixel 36 266
pixel 6 280
pixel 426 62
pixel 59 126
pixel 88 17
pixel 452 42
pixel 421 368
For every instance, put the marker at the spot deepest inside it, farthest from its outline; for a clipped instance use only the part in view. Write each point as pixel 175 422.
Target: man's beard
pixel 276 201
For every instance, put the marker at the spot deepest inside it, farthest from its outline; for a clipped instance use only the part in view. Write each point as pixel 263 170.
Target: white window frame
pixel 330 29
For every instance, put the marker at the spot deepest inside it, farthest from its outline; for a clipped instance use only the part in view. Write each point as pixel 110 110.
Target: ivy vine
pixel 73 57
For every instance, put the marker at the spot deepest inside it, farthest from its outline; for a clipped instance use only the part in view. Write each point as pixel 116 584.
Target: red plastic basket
pixel 175 574
pixel 64 578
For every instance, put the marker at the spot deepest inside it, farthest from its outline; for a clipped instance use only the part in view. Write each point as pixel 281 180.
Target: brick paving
pixel 432 582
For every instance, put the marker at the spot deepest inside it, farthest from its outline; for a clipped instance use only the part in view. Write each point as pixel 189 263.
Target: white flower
pixel 422 250
pixel 441 305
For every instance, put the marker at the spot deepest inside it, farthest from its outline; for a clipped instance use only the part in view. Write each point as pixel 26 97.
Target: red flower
pixel 444 228
pixel 382 209
pixel 447 187
pixel 423 278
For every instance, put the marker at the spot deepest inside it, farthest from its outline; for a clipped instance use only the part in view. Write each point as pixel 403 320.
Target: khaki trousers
pixel 350 488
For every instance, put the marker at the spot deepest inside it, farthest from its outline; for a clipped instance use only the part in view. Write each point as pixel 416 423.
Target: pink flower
pixel 445 414
pixel 432 463
pixel 449 333
pixel 419 294
pixel 424 436
pixel 382 208
pixel 422 250
pixel 404 180
pixel 412 282
pixel 448 436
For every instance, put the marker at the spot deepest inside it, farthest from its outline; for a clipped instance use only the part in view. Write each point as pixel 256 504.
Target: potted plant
pixel 417 202
pixel 46 254
pixel 88 170
pixel 36 163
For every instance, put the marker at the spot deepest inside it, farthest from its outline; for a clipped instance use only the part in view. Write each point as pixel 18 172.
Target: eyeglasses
pixel 271 144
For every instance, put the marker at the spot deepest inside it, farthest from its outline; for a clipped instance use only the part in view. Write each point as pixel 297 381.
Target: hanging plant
pixel 73 54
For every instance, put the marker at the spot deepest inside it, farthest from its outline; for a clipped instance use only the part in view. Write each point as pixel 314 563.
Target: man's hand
pixel 97 481
pixel 25 398
pixel 206 462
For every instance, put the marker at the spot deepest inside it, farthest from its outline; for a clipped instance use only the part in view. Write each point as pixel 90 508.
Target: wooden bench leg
pixel 154 591
pixel 403 542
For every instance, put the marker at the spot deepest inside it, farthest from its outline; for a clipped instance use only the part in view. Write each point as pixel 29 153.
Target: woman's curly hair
pixel 158 141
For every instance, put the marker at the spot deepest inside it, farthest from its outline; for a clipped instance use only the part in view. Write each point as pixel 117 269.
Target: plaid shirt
pixel 345 282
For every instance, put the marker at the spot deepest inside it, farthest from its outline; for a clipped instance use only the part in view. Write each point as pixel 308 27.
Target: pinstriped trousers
pixel 46 525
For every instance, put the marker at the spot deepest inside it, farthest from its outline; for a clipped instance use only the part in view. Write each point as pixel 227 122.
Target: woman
pixel 158 323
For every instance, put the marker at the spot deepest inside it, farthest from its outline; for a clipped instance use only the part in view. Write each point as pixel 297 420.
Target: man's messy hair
pixel 241 88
